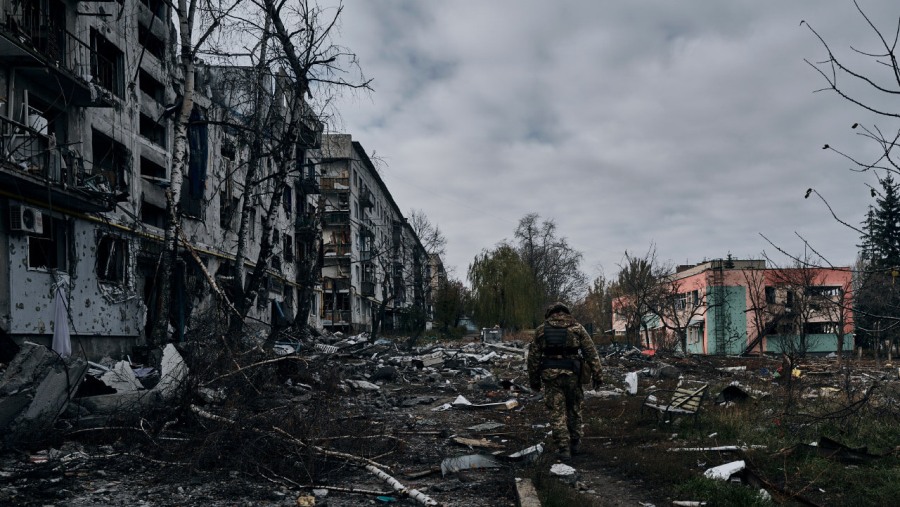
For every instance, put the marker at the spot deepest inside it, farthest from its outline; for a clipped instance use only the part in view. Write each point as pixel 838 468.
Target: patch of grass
pixel 701 489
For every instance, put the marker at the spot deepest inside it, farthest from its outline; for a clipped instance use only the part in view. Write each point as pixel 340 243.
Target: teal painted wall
pixel 815 343
pixel 733 327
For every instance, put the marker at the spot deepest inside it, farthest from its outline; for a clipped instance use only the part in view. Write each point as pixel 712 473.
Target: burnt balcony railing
pixel 309 185
pixel 32 164
pixel 331 185
pixel 367 227
pixel 366 199
pixel 335 218
pixel 336 316
pixel 38 36
pixel 305 224
pixel 336 285
pixel 336 249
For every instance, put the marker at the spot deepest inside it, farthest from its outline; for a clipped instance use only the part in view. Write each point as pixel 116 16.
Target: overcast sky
pixel 691 125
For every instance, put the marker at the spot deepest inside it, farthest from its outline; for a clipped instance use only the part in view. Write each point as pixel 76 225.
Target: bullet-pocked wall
pixel 94 266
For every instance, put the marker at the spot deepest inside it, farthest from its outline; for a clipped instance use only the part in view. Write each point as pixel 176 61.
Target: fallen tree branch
pixel 103 428
pixel 212 417
pixel 349 457
pixel 240 369
pixel 358 460
pixel 284 480
pixel 400 488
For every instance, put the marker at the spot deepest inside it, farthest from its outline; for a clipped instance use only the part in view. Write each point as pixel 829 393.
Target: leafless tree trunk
pixel 188 48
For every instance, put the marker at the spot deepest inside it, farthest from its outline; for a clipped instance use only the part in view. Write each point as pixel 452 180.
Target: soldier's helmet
pixel 556 307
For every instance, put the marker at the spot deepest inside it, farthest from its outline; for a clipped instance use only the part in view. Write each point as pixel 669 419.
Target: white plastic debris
pixel 631 382
pixel 528 454
pixel 469 461
pixel 363 385
pixel 724 472
pixel 173 370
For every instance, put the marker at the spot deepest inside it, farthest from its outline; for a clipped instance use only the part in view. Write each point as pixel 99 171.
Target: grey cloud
pixel 689 124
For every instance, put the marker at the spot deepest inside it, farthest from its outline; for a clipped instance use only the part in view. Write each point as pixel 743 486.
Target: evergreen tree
pixel 877 298
pixel 866 247
pixel 884 226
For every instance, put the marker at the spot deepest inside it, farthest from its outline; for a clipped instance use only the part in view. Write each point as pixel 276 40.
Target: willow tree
pixel 504 292
pixel 451 303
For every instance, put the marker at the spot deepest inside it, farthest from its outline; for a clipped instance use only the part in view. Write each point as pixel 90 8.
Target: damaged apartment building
pixel 374 266
pixel 86 136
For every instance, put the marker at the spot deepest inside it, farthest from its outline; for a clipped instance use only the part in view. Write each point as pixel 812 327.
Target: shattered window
pixel 107 64
pixel 112 257
pixel 111 159
pixel 820 328
pixel 49 248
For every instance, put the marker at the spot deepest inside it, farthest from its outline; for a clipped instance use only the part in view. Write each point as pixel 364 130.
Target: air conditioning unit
pixel 25 219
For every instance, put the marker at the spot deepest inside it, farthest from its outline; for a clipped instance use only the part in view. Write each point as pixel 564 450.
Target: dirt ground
pixel 404 425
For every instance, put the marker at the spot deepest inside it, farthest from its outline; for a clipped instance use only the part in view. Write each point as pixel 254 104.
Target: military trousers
pixel 564 396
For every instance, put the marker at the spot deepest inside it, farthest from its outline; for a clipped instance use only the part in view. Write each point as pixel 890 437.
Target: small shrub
pixel 713 492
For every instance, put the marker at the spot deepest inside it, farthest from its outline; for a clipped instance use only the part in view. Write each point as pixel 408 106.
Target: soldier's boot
pixel 563 451
pixel 575 447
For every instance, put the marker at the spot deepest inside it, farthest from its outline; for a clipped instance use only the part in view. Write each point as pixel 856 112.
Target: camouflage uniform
pixel 561 355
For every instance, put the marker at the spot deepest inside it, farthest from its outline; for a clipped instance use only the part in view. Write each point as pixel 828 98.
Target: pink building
pixel 736 306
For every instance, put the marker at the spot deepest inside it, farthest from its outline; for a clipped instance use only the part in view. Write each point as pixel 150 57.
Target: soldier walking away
pixel 560 358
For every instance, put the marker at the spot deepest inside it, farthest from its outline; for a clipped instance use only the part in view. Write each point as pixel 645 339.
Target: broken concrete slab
pixel 121 378
pixel 35 390
pixel 526 493
pixel 564 472
pixel 102 409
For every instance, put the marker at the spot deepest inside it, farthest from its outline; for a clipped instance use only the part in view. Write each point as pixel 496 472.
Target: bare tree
pixel 868 78
pixel 429 233
pixel 400 269
pixel 678 304
pixel 635 286
pixel 759 298
pixel 276 106
pixel 595 310
pixel 194 32
pixel 554 264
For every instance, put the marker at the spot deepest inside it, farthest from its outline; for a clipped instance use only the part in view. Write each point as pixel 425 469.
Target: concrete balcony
pixel 51 59
pixel 34 168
